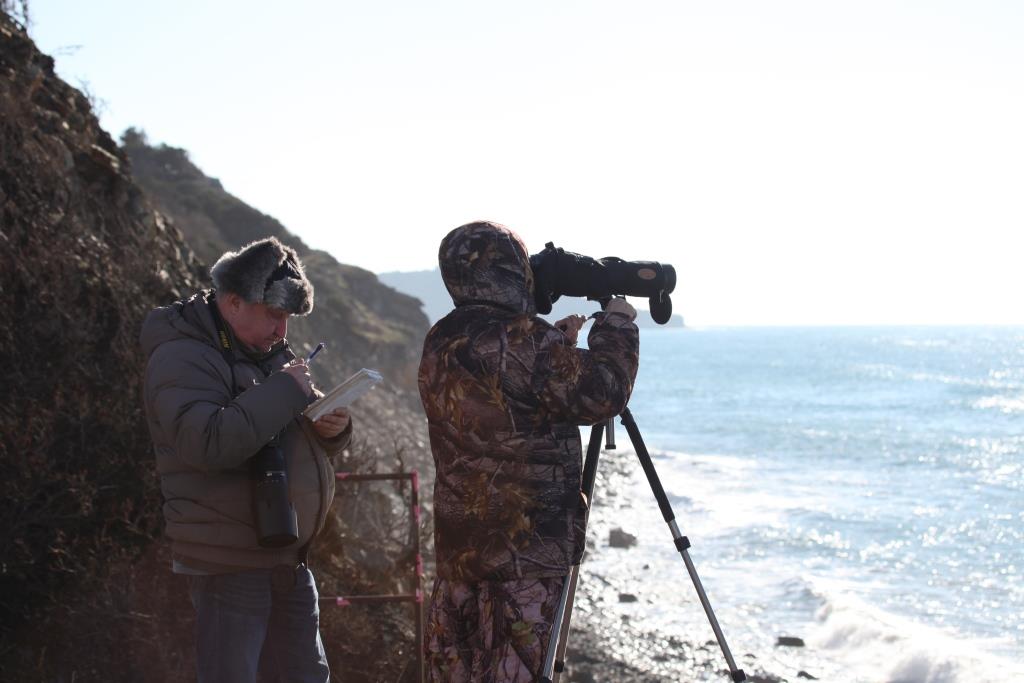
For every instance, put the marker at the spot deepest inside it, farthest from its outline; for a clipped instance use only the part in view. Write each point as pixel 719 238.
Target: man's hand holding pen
pixel 299 371
pixel 333 423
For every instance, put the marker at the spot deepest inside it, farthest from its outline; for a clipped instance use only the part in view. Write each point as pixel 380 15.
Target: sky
pixel 797 163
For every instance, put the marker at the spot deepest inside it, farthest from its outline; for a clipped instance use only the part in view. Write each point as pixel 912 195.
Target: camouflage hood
pixel 486 263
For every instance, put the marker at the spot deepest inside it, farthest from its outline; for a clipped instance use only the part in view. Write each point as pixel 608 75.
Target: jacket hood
pixel 189 319
pixel 486 263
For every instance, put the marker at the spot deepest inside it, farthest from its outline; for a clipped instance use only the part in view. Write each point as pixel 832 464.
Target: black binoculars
pixel 276 522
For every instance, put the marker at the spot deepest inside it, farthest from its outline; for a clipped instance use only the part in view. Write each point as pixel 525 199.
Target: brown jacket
pixel 504 393
pixel 204 434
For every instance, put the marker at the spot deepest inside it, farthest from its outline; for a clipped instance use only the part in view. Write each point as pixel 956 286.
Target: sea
pixel 858 488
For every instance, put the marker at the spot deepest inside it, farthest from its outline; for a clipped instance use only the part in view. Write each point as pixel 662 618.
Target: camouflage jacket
pixel 504 393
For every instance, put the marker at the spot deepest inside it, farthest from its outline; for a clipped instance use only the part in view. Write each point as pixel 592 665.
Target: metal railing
pixel 416 598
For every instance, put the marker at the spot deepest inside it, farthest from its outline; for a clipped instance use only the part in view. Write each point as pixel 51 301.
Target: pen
pixel 319 347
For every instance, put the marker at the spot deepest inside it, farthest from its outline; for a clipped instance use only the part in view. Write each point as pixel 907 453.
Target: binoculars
pixel 276 522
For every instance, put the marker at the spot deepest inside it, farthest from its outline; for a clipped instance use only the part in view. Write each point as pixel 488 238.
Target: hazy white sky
pixel 797 162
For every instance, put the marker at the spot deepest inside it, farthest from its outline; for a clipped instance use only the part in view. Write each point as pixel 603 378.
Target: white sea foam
pixel 725 488
pixel 875 645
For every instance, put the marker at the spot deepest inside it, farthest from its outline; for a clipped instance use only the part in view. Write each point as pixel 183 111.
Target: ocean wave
pixel 1001 381
pixel 923 343
pixel 875 645
pixel 1004 404
pixel 712 462
pixel 991 446
pixel 996 379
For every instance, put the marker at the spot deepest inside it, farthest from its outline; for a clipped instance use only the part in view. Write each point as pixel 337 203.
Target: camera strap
pixel 224 342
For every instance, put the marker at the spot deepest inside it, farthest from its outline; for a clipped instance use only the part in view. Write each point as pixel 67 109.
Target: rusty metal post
pixel 418 605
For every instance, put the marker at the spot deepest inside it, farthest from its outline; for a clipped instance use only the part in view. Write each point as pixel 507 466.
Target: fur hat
pixel 265 272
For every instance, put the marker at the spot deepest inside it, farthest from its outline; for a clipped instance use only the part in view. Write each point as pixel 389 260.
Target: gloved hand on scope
pixel 619 305
pixel 571 325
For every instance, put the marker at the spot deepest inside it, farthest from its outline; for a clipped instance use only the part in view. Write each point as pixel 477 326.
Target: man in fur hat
pixel 221 382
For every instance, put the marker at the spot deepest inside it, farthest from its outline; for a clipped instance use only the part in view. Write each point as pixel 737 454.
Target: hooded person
pixel 221 382
pixel 504 393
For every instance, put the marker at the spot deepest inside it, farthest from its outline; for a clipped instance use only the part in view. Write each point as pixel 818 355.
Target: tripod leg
pixel 563 634
pixel 554 658
pixel 681 542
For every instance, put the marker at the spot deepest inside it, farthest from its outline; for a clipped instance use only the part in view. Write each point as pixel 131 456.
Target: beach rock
pixel 789 641
pixel 617 538
pixel 753 677
pixel 804 674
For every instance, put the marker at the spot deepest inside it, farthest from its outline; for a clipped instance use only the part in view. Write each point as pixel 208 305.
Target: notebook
pixel 345 394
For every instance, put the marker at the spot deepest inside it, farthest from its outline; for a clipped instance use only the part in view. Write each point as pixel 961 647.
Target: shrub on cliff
pixel 82 258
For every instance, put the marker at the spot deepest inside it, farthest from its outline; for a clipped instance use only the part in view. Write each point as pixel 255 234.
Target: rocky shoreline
pixel 617 649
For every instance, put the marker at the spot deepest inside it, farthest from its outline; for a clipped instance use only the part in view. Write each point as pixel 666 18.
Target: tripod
pixel 554 662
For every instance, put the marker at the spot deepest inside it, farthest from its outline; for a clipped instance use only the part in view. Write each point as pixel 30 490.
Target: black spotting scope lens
pixel 557 273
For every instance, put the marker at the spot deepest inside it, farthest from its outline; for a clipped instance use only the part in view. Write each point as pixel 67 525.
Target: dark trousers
pixel 245 629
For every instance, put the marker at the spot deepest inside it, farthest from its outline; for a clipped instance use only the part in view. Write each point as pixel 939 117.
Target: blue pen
pixel 319 347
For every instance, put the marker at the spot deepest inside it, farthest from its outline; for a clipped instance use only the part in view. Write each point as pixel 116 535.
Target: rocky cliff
pixel 83 257
pixel 86 249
